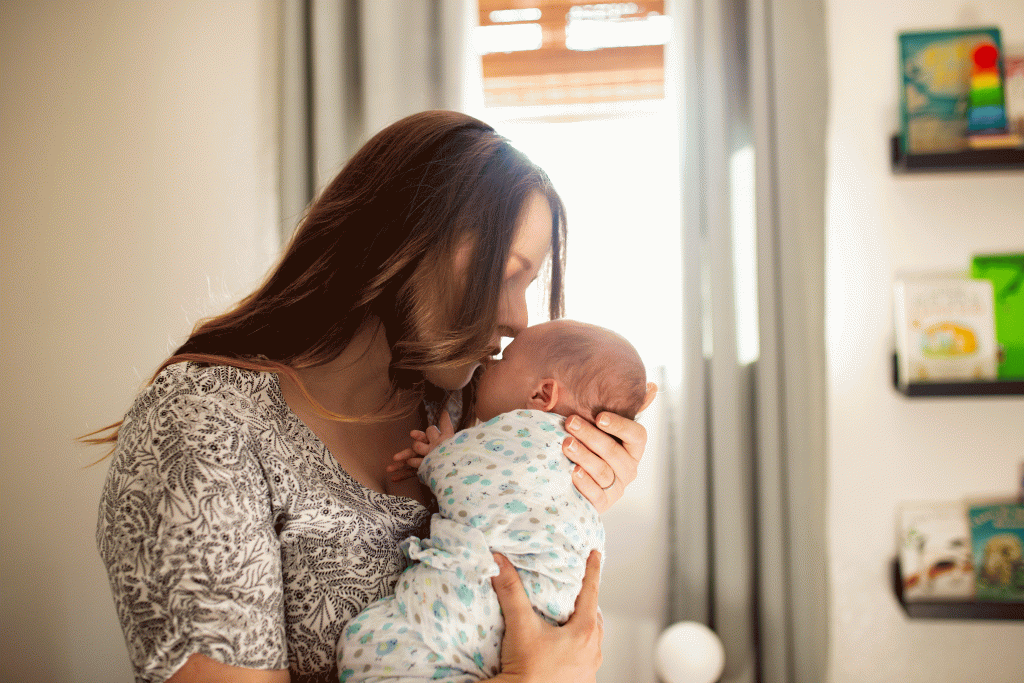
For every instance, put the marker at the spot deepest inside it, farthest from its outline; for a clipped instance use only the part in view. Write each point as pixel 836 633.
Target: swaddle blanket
pixel 503 486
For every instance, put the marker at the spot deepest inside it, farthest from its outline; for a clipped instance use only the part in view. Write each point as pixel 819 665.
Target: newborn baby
pixel 502 486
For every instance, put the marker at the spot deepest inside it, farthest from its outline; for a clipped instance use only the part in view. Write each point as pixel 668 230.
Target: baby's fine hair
pixel 598 366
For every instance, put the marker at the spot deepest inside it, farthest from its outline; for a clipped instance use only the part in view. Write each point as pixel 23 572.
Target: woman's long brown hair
pixel 378 244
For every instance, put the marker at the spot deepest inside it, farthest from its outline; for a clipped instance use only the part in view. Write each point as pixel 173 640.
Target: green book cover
pixel 1006 272
pixel 997 539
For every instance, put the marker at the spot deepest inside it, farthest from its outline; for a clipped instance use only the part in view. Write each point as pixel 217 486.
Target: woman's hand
pixel 604 467
pixel 534 651
pixel 407 462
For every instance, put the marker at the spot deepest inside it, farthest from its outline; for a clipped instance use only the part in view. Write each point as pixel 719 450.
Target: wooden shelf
pixel 939 609
pixel 1008 159
pixel 1000 387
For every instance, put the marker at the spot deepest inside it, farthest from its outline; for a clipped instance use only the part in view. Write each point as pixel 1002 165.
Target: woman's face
pixel 529 249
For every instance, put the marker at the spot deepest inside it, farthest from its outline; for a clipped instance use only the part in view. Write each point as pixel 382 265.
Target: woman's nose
pixel 515 316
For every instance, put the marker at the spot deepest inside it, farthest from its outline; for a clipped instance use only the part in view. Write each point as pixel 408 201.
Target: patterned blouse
pixel 229 530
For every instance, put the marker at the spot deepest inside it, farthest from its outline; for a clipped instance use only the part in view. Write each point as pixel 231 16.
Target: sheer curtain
pixel 350 68
pixel 748 527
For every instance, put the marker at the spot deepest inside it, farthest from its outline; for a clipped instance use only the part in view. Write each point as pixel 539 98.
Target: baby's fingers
pixel 400 458
pixel 403 474
pixel 405 465
pixel 446 428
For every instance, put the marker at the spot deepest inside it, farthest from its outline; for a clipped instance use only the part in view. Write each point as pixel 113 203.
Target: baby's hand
pixel 407 462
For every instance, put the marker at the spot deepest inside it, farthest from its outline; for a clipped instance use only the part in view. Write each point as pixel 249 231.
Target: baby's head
pixel 565 367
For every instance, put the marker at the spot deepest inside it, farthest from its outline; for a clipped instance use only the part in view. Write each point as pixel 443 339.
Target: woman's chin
pixel 452 379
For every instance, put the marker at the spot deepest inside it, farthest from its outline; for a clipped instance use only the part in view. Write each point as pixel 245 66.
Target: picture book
pixel 1006 271
pixel 935 72
pixel 997 539
pixel 1013 68
pixel 945 329
pixel 935 552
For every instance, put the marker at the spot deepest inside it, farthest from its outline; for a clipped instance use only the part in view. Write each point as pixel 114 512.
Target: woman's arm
pixel 604 466
pixel 534 651
pixel 186 531
pixel 202 669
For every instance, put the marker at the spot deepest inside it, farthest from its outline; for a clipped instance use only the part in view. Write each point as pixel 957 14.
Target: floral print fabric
pixel 229 530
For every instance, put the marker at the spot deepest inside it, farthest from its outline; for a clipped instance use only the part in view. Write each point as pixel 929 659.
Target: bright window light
pixel 619 178
pixel 603 10
pixel 503 16
pixel 507 38
pixel 744 236
pixel 595 34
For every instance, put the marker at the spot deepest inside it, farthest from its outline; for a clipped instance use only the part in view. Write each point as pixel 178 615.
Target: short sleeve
pixel 186 530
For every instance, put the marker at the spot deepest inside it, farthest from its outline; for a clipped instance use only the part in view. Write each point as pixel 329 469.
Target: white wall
pixel 885 449
pixel 137 187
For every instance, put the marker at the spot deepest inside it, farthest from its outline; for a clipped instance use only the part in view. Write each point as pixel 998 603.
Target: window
pixel 558 52
pixel 580 89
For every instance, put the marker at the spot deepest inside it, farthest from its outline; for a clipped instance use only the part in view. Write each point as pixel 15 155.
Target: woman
pixel 253 505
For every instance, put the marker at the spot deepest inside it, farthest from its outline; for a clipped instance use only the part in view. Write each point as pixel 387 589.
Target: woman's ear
pixel 545 395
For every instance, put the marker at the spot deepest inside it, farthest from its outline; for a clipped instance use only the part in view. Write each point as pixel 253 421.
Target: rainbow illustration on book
pixel 946 339
pixel 987 113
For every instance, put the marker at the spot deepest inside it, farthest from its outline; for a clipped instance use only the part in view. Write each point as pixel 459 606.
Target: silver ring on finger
pixel 614 479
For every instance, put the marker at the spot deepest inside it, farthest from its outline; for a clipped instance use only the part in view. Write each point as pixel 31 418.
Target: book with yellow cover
pixel 945 329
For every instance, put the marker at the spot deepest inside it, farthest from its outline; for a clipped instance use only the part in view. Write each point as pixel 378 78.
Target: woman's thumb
pixel 511 595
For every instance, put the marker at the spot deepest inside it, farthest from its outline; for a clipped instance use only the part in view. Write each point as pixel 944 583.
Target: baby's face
pixel 508 382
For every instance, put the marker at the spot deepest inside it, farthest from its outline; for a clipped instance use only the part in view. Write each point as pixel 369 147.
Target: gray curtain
pixel 749 551
pixel 350 68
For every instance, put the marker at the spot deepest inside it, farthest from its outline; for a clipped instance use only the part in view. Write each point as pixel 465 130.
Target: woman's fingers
pixel 515 605
pixel 586 601
pixel 605 466
pixel 532 649
pixel 587 620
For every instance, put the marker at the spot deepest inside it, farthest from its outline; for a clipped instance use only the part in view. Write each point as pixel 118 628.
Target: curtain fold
pixel 747 501
pixel 749 512
pixel 352 67
pixel 791 374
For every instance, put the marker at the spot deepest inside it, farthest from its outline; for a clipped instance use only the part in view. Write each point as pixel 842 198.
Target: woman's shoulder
pixel 187 395
pixel 214 382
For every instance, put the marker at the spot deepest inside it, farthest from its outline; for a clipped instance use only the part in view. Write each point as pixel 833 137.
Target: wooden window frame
pixel 554 74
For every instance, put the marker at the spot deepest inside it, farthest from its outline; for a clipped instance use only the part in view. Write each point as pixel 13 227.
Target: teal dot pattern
pixel 502 486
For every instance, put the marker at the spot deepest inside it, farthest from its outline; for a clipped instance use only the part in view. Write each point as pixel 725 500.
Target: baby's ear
pixel 545 395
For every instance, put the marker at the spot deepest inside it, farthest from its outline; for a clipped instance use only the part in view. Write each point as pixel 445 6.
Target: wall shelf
pixel 1001 387
pixel 1008 159
pixel 946 609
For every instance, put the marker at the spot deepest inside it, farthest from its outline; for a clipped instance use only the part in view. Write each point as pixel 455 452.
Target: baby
pixel 501 486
